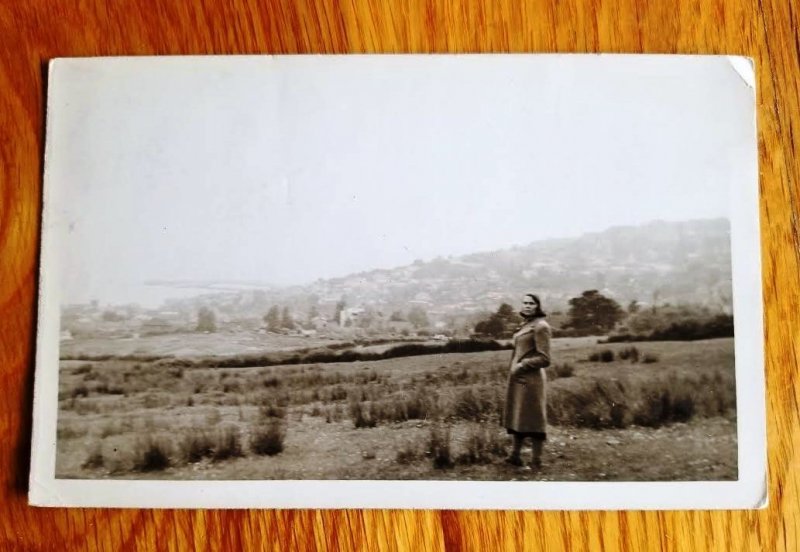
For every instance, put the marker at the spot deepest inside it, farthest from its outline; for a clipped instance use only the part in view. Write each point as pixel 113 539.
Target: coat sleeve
pixel 541 358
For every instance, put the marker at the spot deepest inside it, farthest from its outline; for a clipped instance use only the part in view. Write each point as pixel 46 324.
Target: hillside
pixel 659 262
pixel 683 262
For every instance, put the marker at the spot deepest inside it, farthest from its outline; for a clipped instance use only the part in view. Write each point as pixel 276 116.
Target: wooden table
pixel 33 32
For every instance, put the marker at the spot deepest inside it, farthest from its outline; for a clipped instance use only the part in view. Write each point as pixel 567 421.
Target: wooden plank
pixel 35 31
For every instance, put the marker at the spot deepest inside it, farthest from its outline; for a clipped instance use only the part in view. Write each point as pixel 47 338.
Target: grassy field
pixel 653 411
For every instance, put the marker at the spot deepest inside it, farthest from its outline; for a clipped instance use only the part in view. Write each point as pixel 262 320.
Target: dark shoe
pixel 514 460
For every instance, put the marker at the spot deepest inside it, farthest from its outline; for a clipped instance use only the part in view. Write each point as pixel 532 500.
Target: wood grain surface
pixel 33 32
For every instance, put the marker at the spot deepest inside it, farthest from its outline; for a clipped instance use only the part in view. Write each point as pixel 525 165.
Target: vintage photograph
pixel 511 268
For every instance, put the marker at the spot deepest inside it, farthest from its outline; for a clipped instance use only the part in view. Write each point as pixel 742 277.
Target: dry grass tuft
pixel 268 440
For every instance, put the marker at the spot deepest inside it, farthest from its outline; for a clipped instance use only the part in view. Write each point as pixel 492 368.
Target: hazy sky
pixel 288 169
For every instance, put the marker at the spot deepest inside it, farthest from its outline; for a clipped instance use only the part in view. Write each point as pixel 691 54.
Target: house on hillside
pixel 398 326
pixel 351 316
pixel 319 322
pixel 156 326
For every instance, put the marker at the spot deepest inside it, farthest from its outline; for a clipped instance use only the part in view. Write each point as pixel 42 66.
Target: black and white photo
pixel 474 281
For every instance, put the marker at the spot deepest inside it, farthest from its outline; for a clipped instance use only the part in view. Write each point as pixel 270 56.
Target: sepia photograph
pixel 370 271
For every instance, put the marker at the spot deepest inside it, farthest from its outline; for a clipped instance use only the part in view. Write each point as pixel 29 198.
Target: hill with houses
pixel 654 264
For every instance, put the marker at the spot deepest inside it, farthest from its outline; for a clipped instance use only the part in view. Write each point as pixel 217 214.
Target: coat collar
pixel 527 327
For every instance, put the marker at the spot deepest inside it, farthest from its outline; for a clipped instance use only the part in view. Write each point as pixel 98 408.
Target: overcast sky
pixel 289 169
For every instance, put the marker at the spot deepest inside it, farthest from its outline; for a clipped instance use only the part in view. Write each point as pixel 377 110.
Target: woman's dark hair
pixel 539 312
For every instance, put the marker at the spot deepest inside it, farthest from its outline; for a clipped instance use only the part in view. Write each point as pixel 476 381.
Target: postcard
pixel 400 281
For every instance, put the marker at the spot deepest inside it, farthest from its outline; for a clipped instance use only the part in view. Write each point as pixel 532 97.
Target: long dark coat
pixel 526 406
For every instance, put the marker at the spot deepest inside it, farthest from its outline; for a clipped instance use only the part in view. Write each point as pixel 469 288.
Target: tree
pixel 511 318
pixel 286 319
pixel 418 317
pixel 206 320
pixel 313 312
pixel 273 319
pixel 633 307
pixel 340 306
pixel 112 316
pixel 367 318
pixel 500 323
pixel 593 313
pixel 493 326
pixel 506 311
pixel 397 316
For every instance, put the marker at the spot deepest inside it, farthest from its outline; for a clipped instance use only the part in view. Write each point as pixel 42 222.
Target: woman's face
pixel 529 306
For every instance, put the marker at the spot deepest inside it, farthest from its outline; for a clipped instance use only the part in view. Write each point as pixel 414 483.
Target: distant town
pixel 654 265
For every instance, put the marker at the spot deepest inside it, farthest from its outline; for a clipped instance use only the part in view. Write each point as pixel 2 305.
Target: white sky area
pixel 288 169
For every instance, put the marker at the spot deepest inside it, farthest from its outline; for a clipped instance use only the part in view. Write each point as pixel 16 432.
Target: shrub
pixel 606 355
pixel 482 446
pixel 676 326
pixel 272 404
pixel 412 349
pixel 361 414
pixel 213 417
pixel 408 452
pixel 474 346
pixel 176 372
pixel 227 444
pixel 95 459
pixel 232 387
pixel 157 400
pixel 80 391
pixel 271 381
pixel 619 415
pixel 629 353
pixel 86 406
pixel 333 413
pixel 345 353
pixel 151 454
pixel 271 411
pixel 673 404
pixel 333 393
pixel 111 428
pixel 268 440
pixel 83 369
pixel 586 403
pixel 650 358
pixel 564 370
pixel 219 445
pixel 561 332
pixel 69 432
pixel 623 338
pixel 690 330
pixel 196 446
pixel 659 400
pixel 475 403
pixel 418 406
pixel 439 447
pixel 104 388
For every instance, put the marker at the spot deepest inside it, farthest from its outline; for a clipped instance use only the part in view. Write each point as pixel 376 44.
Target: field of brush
pixel 647 411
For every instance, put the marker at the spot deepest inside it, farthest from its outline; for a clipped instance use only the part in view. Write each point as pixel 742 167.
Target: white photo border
pixel 749 491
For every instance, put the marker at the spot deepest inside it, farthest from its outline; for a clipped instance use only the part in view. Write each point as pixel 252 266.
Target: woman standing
pixel 526 408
